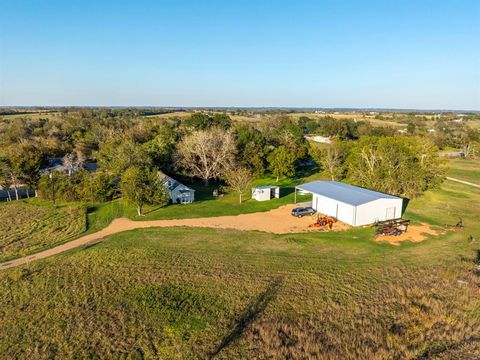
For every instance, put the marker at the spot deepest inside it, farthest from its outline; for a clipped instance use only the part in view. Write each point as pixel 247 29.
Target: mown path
pixel 463 182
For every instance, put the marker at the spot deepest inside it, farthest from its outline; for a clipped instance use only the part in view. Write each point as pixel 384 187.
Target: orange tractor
pixel 324 222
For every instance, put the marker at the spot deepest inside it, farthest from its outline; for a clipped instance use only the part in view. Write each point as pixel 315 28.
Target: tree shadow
pixel 250 314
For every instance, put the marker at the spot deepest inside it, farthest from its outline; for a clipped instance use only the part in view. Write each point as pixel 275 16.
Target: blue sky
pixel 393 54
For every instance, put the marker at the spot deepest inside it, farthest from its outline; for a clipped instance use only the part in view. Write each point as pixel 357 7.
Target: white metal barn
pixel 352 204
pixel 263 193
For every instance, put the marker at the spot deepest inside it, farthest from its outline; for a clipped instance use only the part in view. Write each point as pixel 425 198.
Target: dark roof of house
pixel 172 184
pixel 57 164
pixel 348 194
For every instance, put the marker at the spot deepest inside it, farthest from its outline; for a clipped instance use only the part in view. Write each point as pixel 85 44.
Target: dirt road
pixel 277 221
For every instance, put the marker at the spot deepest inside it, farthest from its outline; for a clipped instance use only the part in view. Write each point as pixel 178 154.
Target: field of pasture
pixel 26 227
pixel 210 293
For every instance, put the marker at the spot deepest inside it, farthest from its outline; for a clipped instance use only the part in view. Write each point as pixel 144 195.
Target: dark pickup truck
pixel 303 211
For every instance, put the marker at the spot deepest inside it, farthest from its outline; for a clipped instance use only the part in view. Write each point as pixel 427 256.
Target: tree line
pixel 131 149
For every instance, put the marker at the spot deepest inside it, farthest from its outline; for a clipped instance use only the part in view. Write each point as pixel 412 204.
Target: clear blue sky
pixel 421 54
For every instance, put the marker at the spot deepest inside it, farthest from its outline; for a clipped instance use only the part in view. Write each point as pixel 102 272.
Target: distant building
pixel 179 193
pixel 319 139
pixel 452 154
pixel 58 164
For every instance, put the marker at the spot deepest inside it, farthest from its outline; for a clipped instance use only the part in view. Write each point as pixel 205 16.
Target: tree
pixel 161 148
pixel 251 144
pixel 411 128
pixel 281 162
pixel 121 152
pixel 202 121
pixel 239 179
pixel 10 174
pixel 404 166
pixel 330 160
pixel 142 187
pixel 206 154
pixel 5 177
pixel 70 162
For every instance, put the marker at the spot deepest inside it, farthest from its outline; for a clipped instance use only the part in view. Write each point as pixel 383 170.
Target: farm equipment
pixel 324 222
pixel 458 226
pixel 391 227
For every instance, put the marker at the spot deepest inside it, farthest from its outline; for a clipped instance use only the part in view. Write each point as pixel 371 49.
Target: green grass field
pixel 205 293
pixel 27 227
pixel 205 204
pixel 467 170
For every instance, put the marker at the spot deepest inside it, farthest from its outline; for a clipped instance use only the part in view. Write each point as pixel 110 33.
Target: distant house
pixel 452 154
pixel 459 120
pixel 319 139
pixel 58 164
pixel 179 193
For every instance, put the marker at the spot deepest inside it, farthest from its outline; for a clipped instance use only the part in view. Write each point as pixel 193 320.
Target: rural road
pixel 277 221
pixel 463 182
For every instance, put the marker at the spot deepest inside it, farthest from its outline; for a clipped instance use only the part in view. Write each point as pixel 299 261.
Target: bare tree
pixel 206 154
pixel 239 179
pixel 70 162
pixel 332 161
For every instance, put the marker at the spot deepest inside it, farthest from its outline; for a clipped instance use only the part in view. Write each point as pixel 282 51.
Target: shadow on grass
pixel 249 315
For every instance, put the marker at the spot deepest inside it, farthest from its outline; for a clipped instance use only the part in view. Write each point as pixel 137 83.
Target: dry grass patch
pixel 27 228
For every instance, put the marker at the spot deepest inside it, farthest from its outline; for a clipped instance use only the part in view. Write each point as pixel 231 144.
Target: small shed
pixel 352 204
pixel 267 192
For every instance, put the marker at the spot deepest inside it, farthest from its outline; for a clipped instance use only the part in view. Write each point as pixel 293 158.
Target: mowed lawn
pixel 467 170
pixel 205 204
pixel 205 293
pixel 27 227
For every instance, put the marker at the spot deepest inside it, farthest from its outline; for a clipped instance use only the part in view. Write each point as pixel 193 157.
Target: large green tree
pixel 251 145
pixel 405 166
pixel 121 152
pixel 141 187
pixel 162 148
pixel 281 162
pixel 202 121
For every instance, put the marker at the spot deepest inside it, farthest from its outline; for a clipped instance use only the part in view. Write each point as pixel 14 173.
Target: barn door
pixel 390 213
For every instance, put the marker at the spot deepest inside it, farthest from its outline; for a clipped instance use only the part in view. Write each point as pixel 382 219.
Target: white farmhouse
pixel 179 193
pixel 352 204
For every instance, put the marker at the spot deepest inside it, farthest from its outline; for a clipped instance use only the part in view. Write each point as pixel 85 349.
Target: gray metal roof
pixel 171 183
pixel 261 187
pixel 345 193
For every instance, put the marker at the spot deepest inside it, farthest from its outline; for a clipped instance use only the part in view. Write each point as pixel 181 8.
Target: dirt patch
pixel 415 233
pixel 277 221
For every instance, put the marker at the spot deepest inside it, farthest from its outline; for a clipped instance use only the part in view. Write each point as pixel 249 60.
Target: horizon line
pixel 181 107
